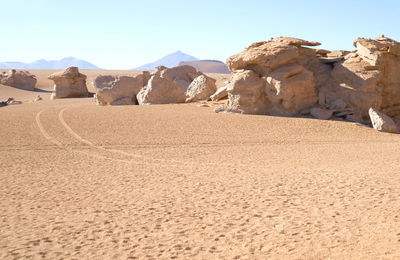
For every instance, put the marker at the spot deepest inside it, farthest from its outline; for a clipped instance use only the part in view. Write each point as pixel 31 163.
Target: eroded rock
pixel 18 79
pixel 201 88
pixel 382 122
pixel 118 90
pixel 69 83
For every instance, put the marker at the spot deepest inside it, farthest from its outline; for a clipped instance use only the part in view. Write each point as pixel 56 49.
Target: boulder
pixel 289 89
pixel 382 122
pixel 180 75
pixel 18 79
pixel 118 90
pixel 160 91
pixel 320 113
pixel 201 88
pixel 221 93
pixel 69 83
pixel 246 93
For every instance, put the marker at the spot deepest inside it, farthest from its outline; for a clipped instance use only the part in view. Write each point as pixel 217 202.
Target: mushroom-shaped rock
pixel 118 90
pixel 18 79
pixel 201 88
pixel 382 122
pixel 160 91
pixel 69 83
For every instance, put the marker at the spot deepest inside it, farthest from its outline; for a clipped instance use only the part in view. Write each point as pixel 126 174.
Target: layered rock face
pixel 69 83
pixel 368 77
pixel 170 85
pixel 18 79
pixel 273 77
pixel 119 90
pixel 283 77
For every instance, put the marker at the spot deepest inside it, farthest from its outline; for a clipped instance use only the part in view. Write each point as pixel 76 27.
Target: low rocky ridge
pixel 18 79
pixel 69 83
pixel 286 77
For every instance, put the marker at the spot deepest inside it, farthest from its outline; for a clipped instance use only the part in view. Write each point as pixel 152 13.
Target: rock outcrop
pixel 18 79
pixel 169 85
pixel 201 88
pixel 285 75
pixel 119 90
pixel 382 122
pixel 69 83
pixel 286 82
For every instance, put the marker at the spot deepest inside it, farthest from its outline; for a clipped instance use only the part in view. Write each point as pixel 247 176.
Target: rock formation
pixel 18 79
pixel 285 75
pixel 69 83
pixel 201 88
pixel 119 90
pixel 169 85
pixel 221 93
pixel 382 122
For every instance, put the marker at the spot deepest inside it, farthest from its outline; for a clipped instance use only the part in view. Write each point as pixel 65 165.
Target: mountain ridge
pixel 49 64
pixel 170 60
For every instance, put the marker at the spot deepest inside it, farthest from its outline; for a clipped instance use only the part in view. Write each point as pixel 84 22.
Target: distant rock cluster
pixel 164 86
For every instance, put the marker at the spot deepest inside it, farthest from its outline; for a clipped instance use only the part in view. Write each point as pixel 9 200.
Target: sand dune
pixel 81 181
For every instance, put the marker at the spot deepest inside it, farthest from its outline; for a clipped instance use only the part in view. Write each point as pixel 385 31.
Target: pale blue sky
pixel 125 34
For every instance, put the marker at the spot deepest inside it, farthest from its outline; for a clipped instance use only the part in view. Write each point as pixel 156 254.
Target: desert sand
pixel 80 181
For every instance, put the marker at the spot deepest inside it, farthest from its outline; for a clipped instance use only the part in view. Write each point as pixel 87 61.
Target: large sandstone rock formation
pixel 69 83
pixel 119 90
pixel 169 85
pixel 19 79
pixel 284 76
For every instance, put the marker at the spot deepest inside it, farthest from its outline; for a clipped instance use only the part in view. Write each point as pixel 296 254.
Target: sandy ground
pixel 79 181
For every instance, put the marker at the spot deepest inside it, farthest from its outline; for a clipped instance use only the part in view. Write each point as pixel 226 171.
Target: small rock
pixel 203 105
pixel 219 109
pixel 38 98
pixel 338 104
pixel 382 122
pixel 321 113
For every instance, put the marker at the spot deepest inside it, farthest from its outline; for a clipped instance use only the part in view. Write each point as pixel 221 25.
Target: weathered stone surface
pixel 180 75
pixel 221 93
pixel 289 89
pixel 298 76
pixel 321 113
pixel 201 88
pixel 338 104
pixel 382 122
pixel 121 90
pixel 18 79
pixel 246 93
pixel 160 90
pixel 369 77
pixel 69 83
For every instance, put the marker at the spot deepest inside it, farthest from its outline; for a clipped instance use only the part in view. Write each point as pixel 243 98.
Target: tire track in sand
pixel 155 161
pixel 46 135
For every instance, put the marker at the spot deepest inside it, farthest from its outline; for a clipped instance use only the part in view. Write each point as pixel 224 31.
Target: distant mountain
pixel 208 66
pixel 171 60
pixel 50 64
